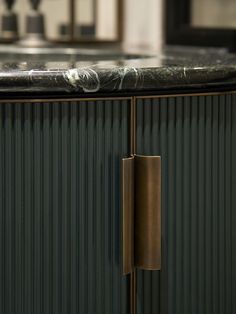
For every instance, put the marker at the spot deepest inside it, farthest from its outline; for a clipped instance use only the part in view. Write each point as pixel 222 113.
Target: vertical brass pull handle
pixel 147 213
pixel 141 195
pixel 128 214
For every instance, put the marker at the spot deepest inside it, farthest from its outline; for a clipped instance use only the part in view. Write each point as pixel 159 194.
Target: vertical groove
pixel 194 205
pixel 9 215
pixel 163 282
pixel 201 203
pixel 233 204
pixel 179 204
pixel 208 212
pixel 18 205
pixel 115 221
pixel 155 129
pixel 222 209
pixel 90 206
pixel 228 204
pixel 37 254
pixel 47 215
pixel 74 308
pixel 99 202
pixel 107 213
pixel 196 140
pixel 186 206
pixel 171 149
pixel 28 213
pixel 215 203
pixel 55 207
pixel 65 211
pixel 82 167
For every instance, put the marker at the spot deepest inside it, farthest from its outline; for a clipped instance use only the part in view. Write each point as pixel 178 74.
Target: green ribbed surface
pixel 196 137
pixel 60 207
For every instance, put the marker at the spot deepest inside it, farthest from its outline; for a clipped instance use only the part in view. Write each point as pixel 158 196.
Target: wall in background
pixel 222 13
pixel 107 19
pixel 143 23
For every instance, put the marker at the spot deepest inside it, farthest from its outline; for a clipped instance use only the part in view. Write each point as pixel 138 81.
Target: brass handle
pixel 141 200
pixel 128 214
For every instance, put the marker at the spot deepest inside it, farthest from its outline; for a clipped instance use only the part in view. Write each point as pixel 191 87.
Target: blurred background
pixel 57 17
pixel 133 23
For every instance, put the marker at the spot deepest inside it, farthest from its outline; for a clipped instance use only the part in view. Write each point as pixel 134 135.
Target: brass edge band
pixel 61 100
pixel 186 95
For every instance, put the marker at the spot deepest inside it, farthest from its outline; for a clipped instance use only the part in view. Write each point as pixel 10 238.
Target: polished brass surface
pixel 128 214
pixel 147 214
pixel 141 195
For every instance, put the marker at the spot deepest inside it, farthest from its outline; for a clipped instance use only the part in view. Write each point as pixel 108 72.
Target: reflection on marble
pixel 175 68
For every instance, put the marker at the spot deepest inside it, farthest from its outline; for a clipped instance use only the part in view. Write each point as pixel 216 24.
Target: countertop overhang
pixel 172 68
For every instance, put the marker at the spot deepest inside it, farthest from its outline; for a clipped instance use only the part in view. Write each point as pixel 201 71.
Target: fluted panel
pixel 60 207
pixel 196 138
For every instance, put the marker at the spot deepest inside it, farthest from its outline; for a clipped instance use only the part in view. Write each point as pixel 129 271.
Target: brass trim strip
pixel 22 101
pixel 133 282
pixel 133 292
pixel 186 94
pixel 131 98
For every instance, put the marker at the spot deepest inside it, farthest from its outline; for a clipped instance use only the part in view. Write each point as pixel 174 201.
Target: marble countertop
pixel 172 69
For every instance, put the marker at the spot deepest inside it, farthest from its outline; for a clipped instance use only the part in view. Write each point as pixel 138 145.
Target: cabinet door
pixel 196 138
pixel 60 207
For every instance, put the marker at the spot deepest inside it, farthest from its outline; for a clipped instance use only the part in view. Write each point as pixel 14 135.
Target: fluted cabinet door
pixel 60 207
pixel 196 139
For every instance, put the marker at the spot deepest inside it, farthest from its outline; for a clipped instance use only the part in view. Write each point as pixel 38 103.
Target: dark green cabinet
pixel 60 208
pixel 196 138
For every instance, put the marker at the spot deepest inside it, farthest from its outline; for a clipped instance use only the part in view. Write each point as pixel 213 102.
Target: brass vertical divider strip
pixel 133 292
pixel 141 211
pixel 133 282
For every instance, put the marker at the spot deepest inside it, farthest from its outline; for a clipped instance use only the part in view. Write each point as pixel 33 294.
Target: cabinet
pixel 196 138
pixel 60 217
pixel 59 212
